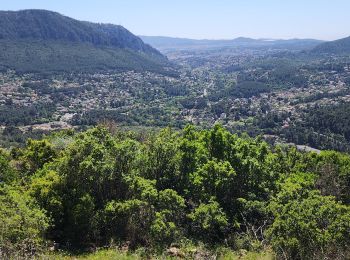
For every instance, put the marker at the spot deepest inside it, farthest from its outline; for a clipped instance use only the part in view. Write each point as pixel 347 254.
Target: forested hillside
pixel 155 190
pixel 340 47
pixel 45 41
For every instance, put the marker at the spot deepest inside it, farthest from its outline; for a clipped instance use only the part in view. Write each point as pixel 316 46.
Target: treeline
pixel 149 117
pixel 323 127
pixel 243 89
pixel 100 187
pixel 278 73
pixel 12 136
pixel 14 115
pixel 334 119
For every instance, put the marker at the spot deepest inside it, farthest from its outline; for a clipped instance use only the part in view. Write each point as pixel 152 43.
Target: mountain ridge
pixel 35 29
pixel 66 28
pixel 164 42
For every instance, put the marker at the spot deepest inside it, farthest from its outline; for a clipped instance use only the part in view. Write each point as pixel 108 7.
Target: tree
pixel 209 221
pixel 163 160
pixel 7 173
pixel 214 179
pixel 35 155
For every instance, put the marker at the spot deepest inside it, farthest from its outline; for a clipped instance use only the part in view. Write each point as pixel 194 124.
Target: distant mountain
pixel 39 40
pixel 169 43
pixel 341 46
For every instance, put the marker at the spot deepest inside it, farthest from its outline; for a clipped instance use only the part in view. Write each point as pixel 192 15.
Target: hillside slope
pixel 341 46
pixel 37 40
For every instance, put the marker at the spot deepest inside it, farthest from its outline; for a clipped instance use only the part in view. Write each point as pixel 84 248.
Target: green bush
pixel 308 225
pixel 209 221
pixel 22 223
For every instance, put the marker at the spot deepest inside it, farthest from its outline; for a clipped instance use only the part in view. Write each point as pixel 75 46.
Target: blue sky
pixel 210 19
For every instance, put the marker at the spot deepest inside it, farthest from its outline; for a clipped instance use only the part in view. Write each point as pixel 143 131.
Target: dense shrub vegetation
pixel 102 187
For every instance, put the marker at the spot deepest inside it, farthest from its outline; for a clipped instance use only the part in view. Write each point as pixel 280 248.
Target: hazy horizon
pixel 226 39
pixel 205 19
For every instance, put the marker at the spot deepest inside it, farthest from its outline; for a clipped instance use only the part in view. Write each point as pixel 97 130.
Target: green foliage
pixel 36 154
pixel 213 179
pixel 307 225
pixel 209 221
pixel 90 177
pixel 333 175
pixel 7 173
pixel 22 223
pixel 156 190
pixel 163 230
pixel 45 189
pixel 163 157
